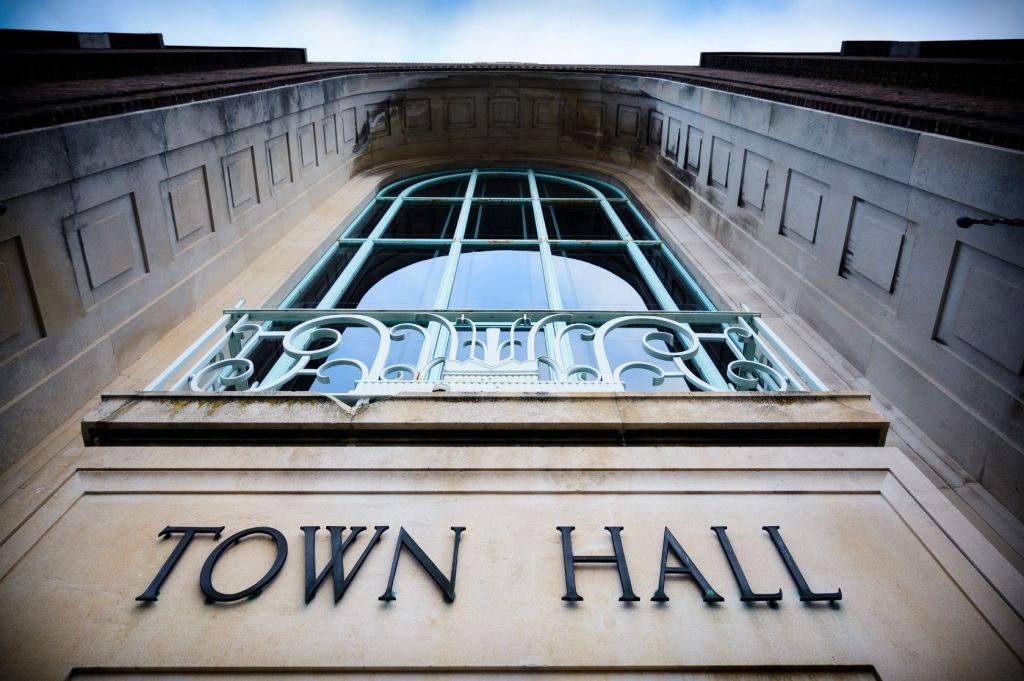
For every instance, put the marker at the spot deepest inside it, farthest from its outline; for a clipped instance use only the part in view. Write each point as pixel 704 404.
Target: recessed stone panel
pixel 378 123
pixel 187 207
pixel 754 184
pixel 279 160
pixel 240 179
pixel 589 117
pixel 674 132
pixel 802 209
pixel 694 144
pixel 982 313
pixel 106 248
pixel 628 123
pixel 721 160
pixel 329 127
pixel 503 112
pixel 416 115
pixel 348 125
pixel 874 243
pixel 308 158
pixel 547 113
pixel 655 126
pixel 19 318
pixel 460 113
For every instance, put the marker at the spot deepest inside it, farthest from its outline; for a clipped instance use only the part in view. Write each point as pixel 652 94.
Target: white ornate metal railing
pixel 361 354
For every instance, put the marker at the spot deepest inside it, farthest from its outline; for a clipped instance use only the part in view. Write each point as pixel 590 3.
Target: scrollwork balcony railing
pixel 360 354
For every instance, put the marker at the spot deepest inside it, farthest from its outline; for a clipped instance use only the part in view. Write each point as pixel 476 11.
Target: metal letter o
pixel 206 576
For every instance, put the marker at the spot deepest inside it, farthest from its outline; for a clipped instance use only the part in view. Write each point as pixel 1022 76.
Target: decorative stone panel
pixel 672 145
pixel 802 208
pixel 503 112
pixel 547 113
pixel 694 142
pixel 416 115
pixel 378 123
pixel 589 117
pixel 106 248
pixel 240 180
pixel 874 244
pixel 721 159
pixel 655 127
pixel 628 123
pixel 187 207
pixel 279 159
pixel 982 314
pixel 20 324
pixel 329 127
pixel 308 158
pixel 348 125
pixel 460 113
pixel 754 184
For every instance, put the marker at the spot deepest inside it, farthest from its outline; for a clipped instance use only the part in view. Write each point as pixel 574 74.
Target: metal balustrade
pixel 361 354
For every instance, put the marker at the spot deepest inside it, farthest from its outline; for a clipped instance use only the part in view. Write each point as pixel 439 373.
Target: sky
pixel 544 31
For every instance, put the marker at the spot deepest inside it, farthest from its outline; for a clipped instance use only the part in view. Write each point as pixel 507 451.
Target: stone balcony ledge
pixel 805 419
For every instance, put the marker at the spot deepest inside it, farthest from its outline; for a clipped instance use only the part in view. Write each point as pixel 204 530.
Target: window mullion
pixel 436 341
pixel 444 291
pixel 709 372
pixel 561 353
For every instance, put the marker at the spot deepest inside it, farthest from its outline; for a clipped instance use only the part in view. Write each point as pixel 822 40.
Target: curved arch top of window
pixel 545 234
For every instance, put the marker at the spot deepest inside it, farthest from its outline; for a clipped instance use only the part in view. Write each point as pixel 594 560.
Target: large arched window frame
pixel 434 286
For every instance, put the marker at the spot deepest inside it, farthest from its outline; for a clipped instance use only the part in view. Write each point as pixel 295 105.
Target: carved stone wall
pixel 118 228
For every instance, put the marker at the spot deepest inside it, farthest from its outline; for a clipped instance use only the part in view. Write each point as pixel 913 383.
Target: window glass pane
pixel 578 222
pixel 398 279
pixel 502 187
pixel 633 223
pixel 506 221
pixel 548 190
pixel 498 279
pixel 424 221
pixel 370 220
pixel 311 295
pixel 683 296
pixel 600 279
pixel 451 188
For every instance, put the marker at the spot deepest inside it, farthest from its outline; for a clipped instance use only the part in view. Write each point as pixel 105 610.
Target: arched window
pixel 497 280
pixel 500 239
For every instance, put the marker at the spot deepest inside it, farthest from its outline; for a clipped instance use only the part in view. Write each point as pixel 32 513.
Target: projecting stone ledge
pixel 834 418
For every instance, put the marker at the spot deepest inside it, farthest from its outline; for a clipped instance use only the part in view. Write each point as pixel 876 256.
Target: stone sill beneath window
pixel 810 419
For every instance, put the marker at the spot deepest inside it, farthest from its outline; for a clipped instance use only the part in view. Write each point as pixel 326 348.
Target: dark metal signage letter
pixel 801 584
pixel 746 594
pixel 335 566
pixel 405 540
pixel 206 576
pixel 570 560
pixel 689 569
pixel 151 593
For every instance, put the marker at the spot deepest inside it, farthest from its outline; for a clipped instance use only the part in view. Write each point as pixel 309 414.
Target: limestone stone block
pixel 240 180
pixel 801 213
pixel 982 313
pixel 874 244
pixel 503 112
pixel 106 248
pixel 308 156
pixel 754 185
pixel 279 161
pixel 694 144
pixel 187 207
pixel 460 113
pixel 416 115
